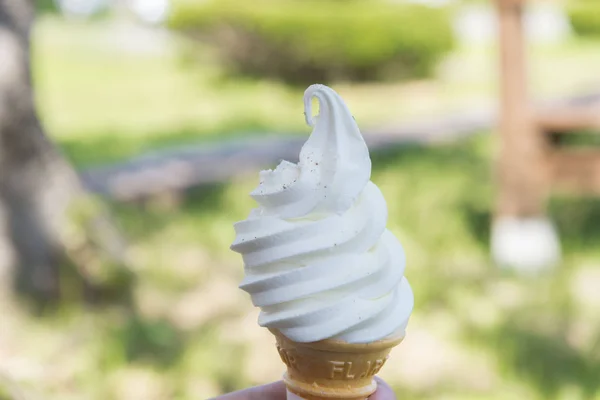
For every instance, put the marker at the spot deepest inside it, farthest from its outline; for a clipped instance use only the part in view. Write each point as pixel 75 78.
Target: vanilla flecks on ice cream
pixel 319 261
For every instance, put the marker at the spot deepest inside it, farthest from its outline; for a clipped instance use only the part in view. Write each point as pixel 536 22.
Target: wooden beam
pixel 521 164
pixel 569 119
pixel 511 3
pixel 576 171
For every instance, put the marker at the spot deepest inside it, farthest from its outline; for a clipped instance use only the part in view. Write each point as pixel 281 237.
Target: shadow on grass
pixel 140 340
pixel 479 219
pixel 547 362
pixel 205 199
pixel 578 221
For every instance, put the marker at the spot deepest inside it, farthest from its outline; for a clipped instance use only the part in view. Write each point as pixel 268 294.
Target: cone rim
pixel 336 345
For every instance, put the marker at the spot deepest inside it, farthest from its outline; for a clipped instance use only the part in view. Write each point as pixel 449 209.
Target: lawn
pixel 476 332
pixel 107 90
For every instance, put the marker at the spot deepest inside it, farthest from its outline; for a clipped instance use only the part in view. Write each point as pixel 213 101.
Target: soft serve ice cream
pixel 319 261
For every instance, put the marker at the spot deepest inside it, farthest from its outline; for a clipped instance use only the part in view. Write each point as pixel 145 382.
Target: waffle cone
pixel 332 369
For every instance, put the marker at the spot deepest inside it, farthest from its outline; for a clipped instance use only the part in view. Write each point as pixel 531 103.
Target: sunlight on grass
pixel 477 332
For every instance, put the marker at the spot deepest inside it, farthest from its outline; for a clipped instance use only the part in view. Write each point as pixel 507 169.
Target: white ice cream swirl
pixel 319 261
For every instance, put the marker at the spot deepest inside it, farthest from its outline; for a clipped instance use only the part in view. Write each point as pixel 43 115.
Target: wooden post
pixel 522 170
pixel 522 237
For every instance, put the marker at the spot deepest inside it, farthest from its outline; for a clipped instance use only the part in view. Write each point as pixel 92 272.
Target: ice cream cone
pixel 332 369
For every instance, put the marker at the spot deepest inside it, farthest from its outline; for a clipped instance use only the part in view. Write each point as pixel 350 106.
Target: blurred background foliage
pixel 289 41
pixel 585 17
pixel 108 89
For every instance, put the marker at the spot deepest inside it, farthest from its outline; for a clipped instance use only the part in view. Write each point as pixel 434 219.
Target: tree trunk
pixel 39 189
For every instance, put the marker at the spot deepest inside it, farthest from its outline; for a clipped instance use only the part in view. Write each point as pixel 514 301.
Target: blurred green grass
pixel 476 333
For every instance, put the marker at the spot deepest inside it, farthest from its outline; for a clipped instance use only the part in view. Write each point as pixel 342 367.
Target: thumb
pixel 272 391
pixel 384 391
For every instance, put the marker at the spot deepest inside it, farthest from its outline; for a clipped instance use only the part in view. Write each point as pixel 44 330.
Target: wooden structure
pixel 530 163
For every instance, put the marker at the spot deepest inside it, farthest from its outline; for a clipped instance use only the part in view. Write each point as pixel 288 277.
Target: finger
pixel 384 391
pixel 272 391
